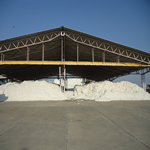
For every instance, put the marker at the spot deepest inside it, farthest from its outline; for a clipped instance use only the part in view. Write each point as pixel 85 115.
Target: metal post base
pixel 62 78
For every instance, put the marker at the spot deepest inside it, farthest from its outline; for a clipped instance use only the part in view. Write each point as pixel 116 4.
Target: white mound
pixel 31 91
pixel 108 91
pixel 98 91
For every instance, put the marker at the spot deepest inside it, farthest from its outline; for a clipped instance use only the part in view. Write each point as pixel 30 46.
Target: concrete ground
pixel 75 125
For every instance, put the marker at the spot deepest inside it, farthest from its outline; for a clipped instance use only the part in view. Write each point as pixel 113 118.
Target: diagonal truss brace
pixel 144 71
pixel 109 48
pixel 28 42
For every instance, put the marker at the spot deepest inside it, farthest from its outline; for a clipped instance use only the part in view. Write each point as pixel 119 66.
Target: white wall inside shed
pixel 71 82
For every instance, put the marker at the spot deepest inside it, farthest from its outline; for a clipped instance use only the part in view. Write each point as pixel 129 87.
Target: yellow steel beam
pixel 73 63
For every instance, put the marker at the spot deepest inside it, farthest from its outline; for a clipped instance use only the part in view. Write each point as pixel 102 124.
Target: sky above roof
pixel 125 22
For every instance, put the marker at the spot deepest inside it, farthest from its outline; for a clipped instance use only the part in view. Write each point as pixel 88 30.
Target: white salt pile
pixel 108 91
pixel 31 91
pixel 98 91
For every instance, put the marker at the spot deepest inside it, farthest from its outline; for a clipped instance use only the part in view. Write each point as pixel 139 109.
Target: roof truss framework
pixel 109 48
pixel 83 54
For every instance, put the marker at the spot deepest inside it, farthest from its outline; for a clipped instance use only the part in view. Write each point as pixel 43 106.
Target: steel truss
pixel 143 71
pixel 108 48
pixel 27 42
pixel 94 44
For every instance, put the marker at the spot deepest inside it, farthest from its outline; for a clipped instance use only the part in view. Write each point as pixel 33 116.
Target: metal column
pixel 77 52
pixel 64 69
pixel 103 57
pixel 60 76
pixel 61 49
pixel 143 81
pixel 28 54
pixel 93 55
pixel 62 46
pixel 118 59
pixel 2 57
pixel 42 52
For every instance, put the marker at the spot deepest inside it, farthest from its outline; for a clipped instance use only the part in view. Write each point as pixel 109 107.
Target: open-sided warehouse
pixel 63 50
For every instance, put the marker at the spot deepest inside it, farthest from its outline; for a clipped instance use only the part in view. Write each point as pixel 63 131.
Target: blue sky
pixel 123 21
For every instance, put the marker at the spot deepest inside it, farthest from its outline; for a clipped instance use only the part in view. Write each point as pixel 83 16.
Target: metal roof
pixel 38 55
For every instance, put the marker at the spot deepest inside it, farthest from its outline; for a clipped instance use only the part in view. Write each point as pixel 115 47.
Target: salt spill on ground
pixel 30 91
pixel 107 91
pixel 98 91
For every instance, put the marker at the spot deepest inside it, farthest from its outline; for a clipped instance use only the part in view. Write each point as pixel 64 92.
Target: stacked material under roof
pixel 47 91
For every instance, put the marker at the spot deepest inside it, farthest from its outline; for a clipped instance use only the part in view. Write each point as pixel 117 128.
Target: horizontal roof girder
pixel 72 63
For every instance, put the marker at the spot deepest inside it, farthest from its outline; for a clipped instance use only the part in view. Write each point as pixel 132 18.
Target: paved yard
pixel 75 125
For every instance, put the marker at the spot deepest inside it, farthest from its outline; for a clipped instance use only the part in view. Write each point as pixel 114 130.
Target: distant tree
pixel 148 85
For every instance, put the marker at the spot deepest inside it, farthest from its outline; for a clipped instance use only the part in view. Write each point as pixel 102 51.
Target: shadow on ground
pixel 3 98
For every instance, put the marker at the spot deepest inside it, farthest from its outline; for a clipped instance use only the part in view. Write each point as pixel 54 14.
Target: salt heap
pixel 31 91
pixel 98 91
pixel 108 91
